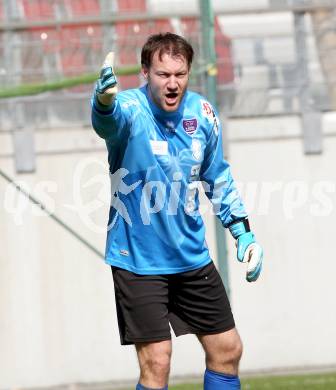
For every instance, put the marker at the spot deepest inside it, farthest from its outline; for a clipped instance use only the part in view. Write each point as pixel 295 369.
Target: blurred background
pixel 270 68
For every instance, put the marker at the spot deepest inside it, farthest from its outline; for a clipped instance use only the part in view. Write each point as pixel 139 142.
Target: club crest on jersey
pixel 190 125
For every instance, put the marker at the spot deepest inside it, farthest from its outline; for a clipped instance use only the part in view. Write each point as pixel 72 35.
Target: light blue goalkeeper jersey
pixel 157 162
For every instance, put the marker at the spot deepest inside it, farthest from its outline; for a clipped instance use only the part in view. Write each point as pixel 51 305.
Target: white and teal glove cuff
pixel 239 227
pixel 248 250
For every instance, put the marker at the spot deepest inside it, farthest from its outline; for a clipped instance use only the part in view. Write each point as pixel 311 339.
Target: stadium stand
pixel 66 49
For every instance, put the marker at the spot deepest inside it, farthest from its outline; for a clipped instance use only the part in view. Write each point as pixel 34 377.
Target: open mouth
pixel 171 98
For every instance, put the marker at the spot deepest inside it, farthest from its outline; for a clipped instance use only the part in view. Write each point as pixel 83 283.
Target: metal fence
pixel 260 59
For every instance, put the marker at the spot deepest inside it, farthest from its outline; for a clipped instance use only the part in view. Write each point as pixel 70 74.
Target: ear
pixel 144 72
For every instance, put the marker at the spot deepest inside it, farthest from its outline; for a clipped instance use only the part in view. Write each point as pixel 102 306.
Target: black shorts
pixel 192 302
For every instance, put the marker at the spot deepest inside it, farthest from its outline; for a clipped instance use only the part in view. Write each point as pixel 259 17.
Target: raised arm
pixel 108 119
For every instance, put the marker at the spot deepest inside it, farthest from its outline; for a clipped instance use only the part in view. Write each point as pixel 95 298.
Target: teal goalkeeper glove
pixel 106 86
pixel 248 250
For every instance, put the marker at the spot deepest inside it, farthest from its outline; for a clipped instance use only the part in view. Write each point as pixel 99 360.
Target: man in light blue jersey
pixel 162 141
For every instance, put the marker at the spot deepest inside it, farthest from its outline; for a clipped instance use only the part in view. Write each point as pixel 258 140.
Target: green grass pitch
pixel 325 381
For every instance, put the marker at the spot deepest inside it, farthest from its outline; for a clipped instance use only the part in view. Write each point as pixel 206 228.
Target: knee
pixel 160 365
pixel 154 360
pixel 227 355
pixel 156 365
pixel 235 352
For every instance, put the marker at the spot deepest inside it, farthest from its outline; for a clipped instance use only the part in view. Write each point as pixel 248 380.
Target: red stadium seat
pixel 78 47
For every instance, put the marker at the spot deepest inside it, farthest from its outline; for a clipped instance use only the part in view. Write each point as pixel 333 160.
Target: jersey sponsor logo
pixel 196 148
pixel 190 125
pixel 209 113
pixel 170 127
pixel 159 148
pixel 124 252
pixel 207 110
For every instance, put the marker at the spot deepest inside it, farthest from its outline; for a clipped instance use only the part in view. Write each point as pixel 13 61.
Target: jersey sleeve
pixel 217 180
pixel 110 122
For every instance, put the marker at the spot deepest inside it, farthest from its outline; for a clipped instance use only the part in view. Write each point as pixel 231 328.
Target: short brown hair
pixel 169 43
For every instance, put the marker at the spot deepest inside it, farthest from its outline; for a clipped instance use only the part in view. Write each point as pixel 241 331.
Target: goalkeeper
pixel 162 140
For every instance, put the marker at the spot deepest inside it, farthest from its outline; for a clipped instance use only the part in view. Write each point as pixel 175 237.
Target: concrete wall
pixel 58 322
pixel 286 319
